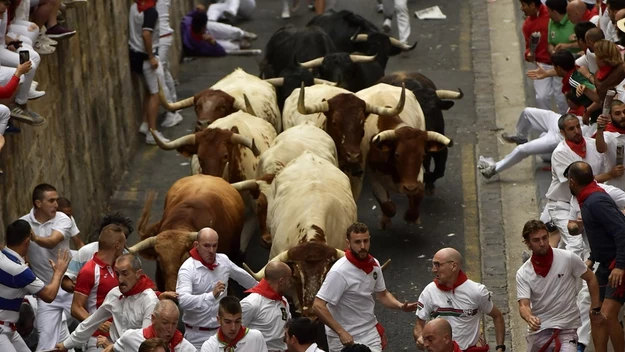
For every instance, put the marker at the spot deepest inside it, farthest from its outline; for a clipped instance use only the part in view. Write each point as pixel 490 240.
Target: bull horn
pixel 403 46
pixel 246 185
pixel 256 276
pixel 226 175
pixel 184 103
pixel 323 81
pixel 442 139
pixel 277 82
pixel 449 94
pixel 359 59
pixel 144 244
pixel 389 135
pixel 282 257
pixel 385 265
pixel 339 254
pixel 306 110
pixel 378 110
pixel 248 106
pixel 192 236
pixel 245 141
pixel 357 38
pixel 175 144
pixel 312 63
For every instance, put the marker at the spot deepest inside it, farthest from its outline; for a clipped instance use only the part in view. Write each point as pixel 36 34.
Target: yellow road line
pixel 464 45
pixel 472 260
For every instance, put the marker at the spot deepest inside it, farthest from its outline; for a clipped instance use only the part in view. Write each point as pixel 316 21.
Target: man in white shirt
pixel 130 305
pixel 201 281
pixel 164 322
pixel 552 315
pixel 51 232
pixel 437 336
pixel 231 334
pixel 344 302
pixel 610 135
pixel 455 298
pixel 65 207
pixel 19 280
pixel 300 335
pixel 266 309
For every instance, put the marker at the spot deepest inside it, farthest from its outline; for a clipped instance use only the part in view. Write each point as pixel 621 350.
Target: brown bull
pixel 192 203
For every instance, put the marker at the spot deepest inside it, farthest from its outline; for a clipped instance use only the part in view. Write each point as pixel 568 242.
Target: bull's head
pixel 291 79
pixel 346 114
pixel 170 249
pixel 217 150
pixel 404 149
pixel 381 44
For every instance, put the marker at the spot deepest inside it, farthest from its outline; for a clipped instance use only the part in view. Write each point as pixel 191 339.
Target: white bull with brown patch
pixel 396 150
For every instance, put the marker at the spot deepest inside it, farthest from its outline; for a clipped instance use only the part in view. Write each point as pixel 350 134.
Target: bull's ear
pixel 234 129
pixel 433 147
pixel 445 104
pixel 187 150
pixel 380 153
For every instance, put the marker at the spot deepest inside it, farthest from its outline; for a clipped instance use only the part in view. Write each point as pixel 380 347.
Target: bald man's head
pixel 278 275
pixel 450 254
pixel 111 237
pixel 207 234
pixel 575 10
pixel 580 175
pixel 206 244
pixel 437 336
pixel 594 35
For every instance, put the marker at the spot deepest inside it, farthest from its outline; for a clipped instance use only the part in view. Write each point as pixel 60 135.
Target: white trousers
pixel 20 30
pixel 164 44
pixel 559 214
pixel 152 76
pixel 11 341
pixel 91 345
pixel 12 59
pixel 5 115
pixel 225 34
pixel 369 338
pixel 400 9
pixel 550 87
pixel 241 8
pixel 541 120
pixel 568 339
pixel 50 325
pixel 197 337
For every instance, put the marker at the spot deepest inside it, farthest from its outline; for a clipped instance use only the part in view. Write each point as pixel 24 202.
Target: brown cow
pixel 192 203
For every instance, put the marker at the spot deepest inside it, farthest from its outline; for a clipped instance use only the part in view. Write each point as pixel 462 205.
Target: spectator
pixel 21 28
pixel 609 63
pixel 65 207
pixel 437 336
pixel 153 345
pixel 399 9
pixel 23 282
pixel 607 22
pixel 231 9
pixel 578 12
pixel 357 347
pixel 44 13
pixel 611 134
pixel 300 334
pixel 560 27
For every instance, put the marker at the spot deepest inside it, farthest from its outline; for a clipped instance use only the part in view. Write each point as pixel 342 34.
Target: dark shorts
pixel 607 291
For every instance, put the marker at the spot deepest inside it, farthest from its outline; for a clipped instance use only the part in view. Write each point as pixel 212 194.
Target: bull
pixel 229 148
pixel 292 78
pixel 342 115
pixel 192 203
pixel 432 102
pixel 229 95
pixel 397 148
pixel 349 71
pixel 311 208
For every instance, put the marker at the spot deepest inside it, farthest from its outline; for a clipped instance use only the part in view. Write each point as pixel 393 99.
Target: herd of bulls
pixel 288 151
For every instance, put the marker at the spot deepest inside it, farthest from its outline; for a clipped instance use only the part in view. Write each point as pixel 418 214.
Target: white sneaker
pixel 44 49
pixel 171 119
pixel 386 26
pixel 44 39
pixel 144 128
pixel 35 94
pixel 34 85
pixel 286 13
pixel 149 139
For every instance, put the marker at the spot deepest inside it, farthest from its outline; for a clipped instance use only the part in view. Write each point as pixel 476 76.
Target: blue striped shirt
pixel 16 281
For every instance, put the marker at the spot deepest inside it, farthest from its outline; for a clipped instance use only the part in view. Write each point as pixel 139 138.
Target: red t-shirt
pixel 587 16
pixel 538 23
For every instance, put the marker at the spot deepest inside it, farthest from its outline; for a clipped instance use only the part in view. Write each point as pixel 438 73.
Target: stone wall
pixel 93 110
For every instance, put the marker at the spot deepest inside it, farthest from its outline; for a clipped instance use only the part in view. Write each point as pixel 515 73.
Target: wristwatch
pixel 595 311
pixel 502 347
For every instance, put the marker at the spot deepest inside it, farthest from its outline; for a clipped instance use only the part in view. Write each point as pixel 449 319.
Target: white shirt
pixel 588 60
pixel 349 293
pixel 136 28
pixel 74 230
pixel 462 308
pixel 195 289
pixel 556 308
pixel 617 194
pixel 16 281
pixel 561 158
pixel 131 340
pixel 38 256
pixel 132 312
pixel 314 348
pixel 267 316
pixel 162 6
pixel 613 139
pixel 609 30
pixel 252 342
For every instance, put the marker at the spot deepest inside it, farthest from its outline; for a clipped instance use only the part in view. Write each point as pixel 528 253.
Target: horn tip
pixel 451 143
pixel 461 93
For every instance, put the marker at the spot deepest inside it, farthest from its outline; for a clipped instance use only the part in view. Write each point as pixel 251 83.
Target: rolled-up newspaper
pixel 619 154
pixel 534 39
pixel 607 102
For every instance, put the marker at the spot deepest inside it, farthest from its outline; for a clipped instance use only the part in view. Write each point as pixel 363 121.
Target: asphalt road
pixel 448 219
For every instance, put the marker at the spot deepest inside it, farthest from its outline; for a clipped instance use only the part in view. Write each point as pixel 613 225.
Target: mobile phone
pixel 24 56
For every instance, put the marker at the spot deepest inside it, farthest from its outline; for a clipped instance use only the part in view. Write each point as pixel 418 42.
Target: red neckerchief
pixel 142 284
pixel 230 346
pixel 149 333
pixel 462 277
pixel 578 148
pixel 603 72
pixel 542 263
pixel 554 337
pixel 588 190
pixel 195 36
pixel 611 128
pixel 456 347
pixel 566 87
pixel 266 291
pixel 195 255
pixel 365 265
pixel 587 15
pixel 143 5
pixel 578 111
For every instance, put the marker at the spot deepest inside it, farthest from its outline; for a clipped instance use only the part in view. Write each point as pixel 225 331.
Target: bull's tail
pixel 145 214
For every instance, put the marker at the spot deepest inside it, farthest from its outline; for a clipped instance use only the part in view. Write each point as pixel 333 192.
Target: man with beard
pixel 604 224
pixel 552 315
pixel 344 302
pixel 232 335
pixel 611 134
pixel 460 301
pixel 164 322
